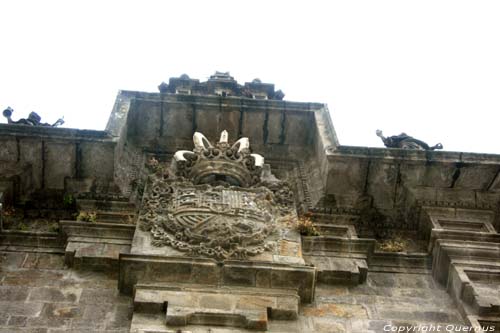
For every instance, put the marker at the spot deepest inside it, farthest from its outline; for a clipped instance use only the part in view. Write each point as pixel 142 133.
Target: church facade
pixel 220 207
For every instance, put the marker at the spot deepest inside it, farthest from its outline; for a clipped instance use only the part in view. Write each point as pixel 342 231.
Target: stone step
pixel 105 205
pixel 400 262
pixel 13 240
pixel 116 217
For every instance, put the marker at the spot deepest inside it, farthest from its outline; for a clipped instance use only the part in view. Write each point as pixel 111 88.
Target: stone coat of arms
pixel 214 202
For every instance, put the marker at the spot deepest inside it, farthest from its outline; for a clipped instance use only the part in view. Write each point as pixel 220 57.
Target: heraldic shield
pixel 213 202
pixel 215 221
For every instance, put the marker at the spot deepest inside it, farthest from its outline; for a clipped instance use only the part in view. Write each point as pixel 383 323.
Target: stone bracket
pixel 338 259
pixel 476 285
pixel 248 308
pixel 95 245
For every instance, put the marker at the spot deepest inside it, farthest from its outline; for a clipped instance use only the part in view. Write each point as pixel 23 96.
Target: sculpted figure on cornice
pixel 404 141
pixel 33 119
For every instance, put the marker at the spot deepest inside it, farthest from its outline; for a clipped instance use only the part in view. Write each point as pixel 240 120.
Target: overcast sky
pixel 428 68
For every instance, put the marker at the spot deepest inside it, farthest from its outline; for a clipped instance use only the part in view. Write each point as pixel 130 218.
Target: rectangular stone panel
pixel 179 119
pixel 300 128
pixel 275 127
pixel 31 153
pixel 253 126
pixel 144 122
pixel 59 164
pixel 208 122
pixel 97 160
pixel 8 149
pixel 230 121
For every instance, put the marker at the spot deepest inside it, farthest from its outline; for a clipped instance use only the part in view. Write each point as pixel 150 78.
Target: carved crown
pixel 210 164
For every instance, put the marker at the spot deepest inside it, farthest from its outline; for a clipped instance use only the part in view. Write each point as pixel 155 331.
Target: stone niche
pixel 216 242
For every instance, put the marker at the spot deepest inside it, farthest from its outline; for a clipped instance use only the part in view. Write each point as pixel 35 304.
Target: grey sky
pixel 429 68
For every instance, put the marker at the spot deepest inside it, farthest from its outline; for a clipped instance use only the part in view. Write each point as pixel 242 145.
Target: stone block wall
pixel 38 294
pixel 55 158
pixel 386 300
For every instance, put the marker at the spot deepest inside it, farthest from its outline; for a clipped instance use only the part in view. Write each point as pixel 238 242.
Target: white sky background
pixel 428 68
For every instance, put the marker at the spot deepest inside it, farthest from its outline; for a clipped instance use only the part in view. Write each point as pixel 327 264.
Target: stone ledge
pixel 242 307
pixel 330 270
pixel 476 285
pixel 448 251
pixel 98 230
pixel 52 132
pixel 441 234
pixel 42 241
pixel 227 101
pixel 311 244
pixel 95 245
pixel 142 269
pixel 483 324
pixel 420 263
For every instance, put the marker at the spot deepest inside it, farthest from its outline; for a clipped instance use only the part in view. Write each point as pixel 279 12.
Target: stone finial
pixel 223 137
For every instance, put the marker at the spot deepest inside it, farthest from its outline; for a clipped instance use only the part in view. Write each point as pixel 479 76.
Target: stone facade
pixel 219 207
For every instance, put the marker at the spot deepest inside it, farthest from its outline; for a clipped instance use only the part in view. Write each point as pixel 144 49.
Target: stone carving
pixel 221 84
pixel 32 120
pixel 404 141
pixel 214 202
pixel 223 163
pixel 219 222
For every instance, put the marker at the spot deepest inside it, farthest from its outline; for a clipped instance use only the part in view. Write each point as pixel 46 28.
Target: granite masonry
pixel 219 207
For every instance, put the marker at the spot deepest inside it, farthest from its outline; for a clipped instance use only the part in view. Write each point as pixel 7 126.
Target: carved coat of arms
pixel 214 203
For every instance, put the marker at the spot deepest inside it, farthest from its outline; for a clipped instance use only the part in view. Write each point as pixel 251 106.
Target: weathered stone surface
pixel 246 308
pixel 341 282
pixel 37 294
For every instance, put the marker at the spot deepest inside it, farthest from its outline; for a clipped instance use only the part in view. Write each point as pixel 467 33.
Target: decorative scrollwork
pixel 215 205
pixel 219 222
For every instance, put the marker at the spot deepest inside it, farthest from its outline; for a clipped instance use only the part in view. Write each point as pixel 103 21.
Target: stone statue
pixel 32 120
pixel 404 141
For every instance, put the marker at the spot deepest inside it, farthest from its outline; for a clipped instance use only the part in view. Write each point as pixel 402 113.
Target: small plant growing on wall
pixel 23 226
pixel 54 227
pixel 395 244
pixel 306 227
pixel 156 167
pixel 84 216
pixel 68 200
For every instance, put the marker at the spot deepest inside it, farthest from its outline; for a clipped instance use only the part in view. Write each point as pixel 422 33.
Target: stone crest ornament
pixel 224 163
pixel 404 141
pixel 215 204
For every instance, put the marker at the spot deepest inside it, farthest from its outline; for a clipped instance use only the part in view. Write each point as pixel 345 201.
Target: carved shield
pixel 219 222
